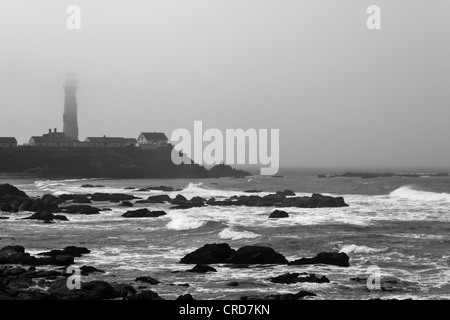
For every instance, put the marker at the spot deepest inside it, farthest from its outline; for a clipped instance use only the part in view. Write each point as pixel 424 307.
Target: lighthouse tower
pixel 70 107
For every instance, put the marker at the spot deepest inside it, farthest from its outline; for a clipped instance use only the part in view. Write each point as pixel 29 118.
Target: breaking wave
pixel 408 193
pixel 182 222
pixel 353 248
pixel 232 234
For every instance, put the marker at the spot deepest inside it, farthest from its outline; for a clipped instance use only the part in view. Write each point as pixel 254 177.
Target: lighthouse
pixel 70 107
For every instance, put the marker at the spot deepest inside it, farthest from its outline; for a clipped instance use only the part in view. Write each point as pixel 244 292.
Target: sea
pixel 395 230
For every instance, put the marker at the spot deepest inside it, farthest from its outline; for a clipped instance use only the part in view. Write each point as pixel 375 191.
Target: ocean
pixel 400 225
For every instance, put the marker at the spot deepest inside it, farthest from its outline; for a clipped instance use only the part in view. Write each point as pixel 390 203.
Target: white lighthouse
pixel 70 118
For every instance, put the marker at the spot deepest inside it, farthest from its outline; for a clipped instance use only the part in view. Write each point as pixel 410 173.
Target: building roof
pixel 52 137
pixel 154 135
pixel 110 140
pixel 8 140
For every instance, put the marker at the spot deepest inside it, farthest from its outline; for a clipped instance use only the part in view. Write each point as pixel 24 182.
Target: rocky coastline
pixel 44 276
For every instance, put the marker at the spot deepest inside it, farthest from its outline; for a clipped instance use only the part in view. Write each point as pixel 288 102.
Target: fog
pixel 342 95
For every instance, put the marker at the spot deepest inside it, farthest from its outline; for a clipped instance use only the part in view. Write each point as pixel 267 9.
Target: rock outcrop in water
pixel 159 199
pixel 202 268
pixel 17 255
pixel 47 216
pixel 147 279
pixel 7 189
pixel 256 255
pixel 278 214
pixel 373 175
pixel 209 254
pixel 143 213
pixel 332 258
pixel 290 278
pixel 80 209
pixel 18 283
pixel 279 200
pixel 284 296
pixel 222 253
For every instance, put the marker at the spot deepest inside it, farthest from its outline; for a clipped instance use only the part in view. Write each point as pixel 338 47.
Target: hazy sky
pixel 340 94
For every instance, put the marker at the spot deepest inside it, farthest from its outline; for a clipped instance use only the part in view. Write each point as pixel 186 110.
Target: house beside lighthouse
pixel 151 140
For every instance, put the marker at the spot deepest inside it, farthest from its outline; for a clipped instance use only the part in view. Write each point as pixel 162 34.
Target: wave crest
pixel 232 234
pixel 353 248
pixel 408 193
pixel 182 222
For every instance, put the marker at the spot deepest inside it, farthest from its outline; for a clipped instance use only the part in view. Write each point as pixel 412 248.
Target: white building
pixel 51 139
pixel 149 140
pixel 110 142
pixel 8 142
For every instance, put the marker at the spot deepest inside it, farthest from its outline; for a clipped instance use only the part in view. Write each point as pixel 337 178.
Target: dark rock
pixel 8 207
pixel 60 217
pixel 142 201
pixel 187 296
pixel 286 296
pixel 47 274
pixel 320 201
pixel 76 251
pixel 49 198
pixel 233 284
pixel 147 279
pixel 188 205
pixel 123 289
pixel 159 198
pixel 91 186
pixel 144 295
pixel 86 270
pixel 7 189
pixel 67 197
pixel 201 268
pixel 16 255
pixel 46 216
pixel 197 200
pixel 93 290
pixel 17 282
pixel 143 213
pixel 279 200
pixel 253 191
pixel 331 258
pixel 256 255
pixel 163 188
pixel 179 199
pixel 81 209
pixel 278 214
pixel 58 260
pixel 38 205
pixel 289 278
pixel 209 254
pixel 223 170
pixel 70 250
pixel 126 204
pixel 181 284
pixel 286 193
pixel 81 199
pixel 4 218
pixel 112 197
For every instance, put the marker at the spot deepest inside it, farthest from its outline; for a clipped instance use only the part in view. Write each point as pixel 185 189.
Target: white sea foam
pixel 408 193
pixel 232 234
pixel 353 248
pixel 184 222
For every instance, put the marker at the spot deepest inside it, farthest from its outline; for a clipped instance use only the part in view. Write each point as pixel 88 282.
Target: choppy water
pixel 401 225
